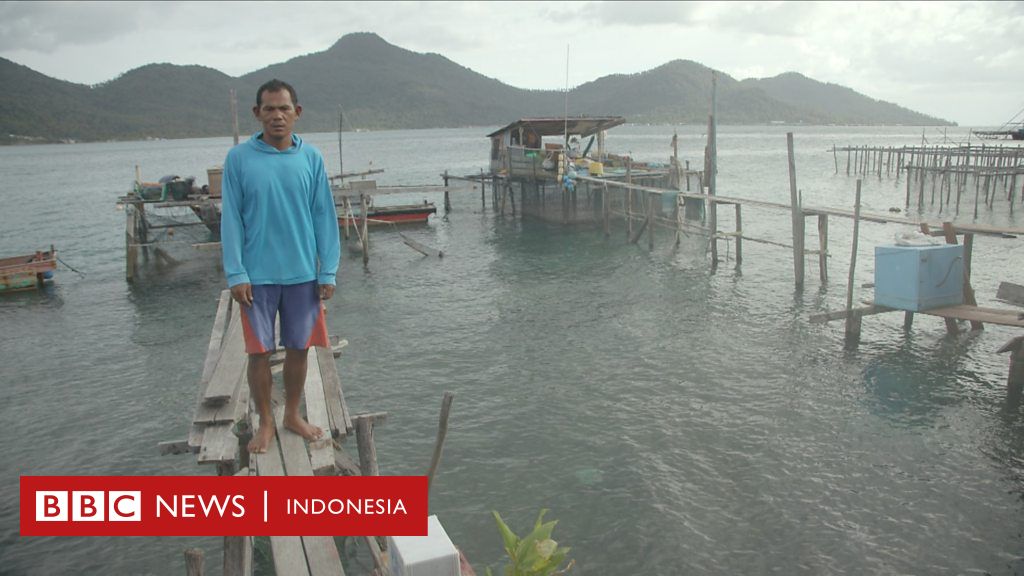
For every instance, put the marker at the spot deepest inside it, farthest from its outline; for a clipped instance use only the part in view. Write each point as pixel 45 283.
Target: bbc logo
pixel 89 506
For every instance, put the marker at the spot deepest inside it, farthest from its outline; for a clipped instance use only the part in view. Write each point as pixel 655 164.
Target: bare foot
pixel 298 425
pixel 261 439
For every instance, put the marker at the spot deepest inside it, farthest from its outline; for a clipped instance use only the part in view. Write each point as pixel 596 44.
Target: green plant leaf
pixel 545 548
pixel 510 540
pixel 540 518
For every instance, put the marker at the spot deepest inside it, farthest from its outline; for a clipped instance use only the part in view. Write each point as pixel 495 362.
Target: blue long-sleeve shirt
pixel 278 220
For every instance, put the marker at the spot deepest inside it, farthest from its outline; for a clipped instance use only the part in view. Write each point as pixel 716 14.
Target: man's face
pixel 278 114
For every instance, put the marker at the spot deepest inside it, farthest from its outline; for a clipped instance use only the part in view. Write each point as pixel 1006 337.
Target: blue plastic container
pixel 917 278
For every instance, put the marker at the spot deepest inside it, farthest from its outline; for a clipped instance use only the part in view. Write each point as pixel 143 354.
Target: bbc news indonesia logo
pixel 223 506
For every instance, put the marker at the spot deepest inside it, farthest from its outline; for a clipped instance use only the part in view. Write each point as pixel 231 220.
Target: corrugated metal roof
pixel 583 125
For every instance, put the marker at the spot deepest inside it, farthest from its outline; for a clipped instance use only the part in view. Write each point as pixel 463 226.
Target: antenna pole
pixel 565 126
pixel 341 155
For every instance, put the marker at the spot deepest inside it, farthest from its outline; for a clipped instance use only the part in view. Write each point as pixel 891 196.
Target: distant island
pixel 383 86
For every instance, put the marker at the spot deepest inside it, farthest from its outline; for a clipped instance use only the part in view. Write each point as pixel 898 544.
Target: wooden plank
pixel 293 448
pixel 174 447
pixel 321 452
pixel 219 444
pixel 312 555
pixel 979 314
pixel 230 365
pixel 1010 293
pixel 225 412
pixel 421 248
pixel 841 314
pixel 288 554
pixel 337 410
pixel 346 465
pixel 322 556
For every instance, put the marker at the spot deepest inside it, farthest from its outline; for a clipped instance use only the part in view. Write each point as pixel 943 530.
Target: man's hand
pixel 326 291
pixel 242 293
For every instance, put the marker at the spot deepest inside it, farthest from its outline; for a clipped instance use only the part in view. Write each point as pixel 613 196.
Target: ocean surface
pixel 675 420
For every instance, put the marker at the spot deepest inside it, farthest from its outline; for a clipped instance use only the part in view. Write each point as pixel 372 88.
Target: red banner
pixel 223 506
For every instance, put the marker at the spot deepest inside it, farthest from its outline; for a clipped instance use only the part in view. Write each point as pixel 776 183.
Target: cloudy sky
pixel 959 61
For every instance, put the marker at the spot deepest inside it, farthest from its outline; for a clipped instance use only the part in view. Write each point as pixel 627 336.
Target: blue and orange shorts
pixel 303 323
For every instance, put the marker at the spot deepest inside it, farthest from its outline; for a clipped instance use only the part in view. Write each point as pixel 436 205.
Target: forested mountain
pixel 383 86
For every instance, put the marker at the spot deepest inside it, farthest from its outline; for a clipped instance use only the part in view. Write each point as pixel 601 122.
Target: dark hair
pixel 276 85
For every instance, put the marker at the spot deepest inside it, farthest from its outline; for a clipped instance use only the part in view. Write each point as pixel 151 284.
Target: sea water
pixel 674 419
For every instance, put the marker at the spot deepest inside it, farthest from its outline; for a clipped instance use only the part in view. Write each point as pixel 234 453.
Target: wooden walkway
pixel 221 430
pixel 223 424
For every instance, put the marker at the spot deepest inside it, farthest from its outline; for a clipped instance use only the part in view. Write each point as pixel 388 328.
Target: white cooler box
pixel 430 555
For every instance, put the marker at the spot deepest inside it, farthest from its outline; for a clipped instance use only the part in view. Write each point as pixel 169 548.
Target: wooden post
pixel 364 206
pixel 442 432
pixel 949 231
pixel 853 320
pixel 739 233
pixel 650 220
pixel 234 115
pixel 920 191
pixel 629 198
pixel 447 197
pixel 796 212
pixel 483 187
pixel 346 210
pixel 977 191
pixel 367 449
pixel 606 206
pixel 822 246
pixel 235 557
pixel 1015 376
pixel 907 206
pixel 712 176
pixel 131 241
pixel 194 562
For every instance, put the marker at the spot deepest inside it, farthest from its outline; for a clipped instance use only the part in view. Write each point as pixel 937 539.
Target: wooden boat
pixel 27 272
pixel 395 214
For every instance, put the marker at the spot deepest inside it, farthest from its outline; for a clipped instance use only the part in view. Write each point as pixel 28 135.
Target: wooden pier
pixel 939 172
pixel 143 231
pixel 222 427
pixel 645 206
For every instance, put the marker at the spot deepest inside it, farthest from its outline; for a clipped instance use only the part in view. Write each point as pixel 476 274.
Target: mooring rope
pixel 82 274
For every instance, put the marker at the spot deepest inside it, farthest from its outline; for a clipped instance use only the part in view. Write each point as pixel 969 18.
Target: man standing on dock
pixel 279 234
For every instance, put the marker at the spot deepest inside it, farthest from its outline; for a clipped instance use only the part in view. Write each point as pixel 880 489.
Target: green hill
pixel 384 86
pixel 838 103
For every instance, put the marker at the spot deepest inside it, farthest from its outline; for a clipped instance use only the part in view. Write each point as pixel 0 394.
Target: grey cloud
pixel 46 26
pixel 768 19
pixel 627 13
